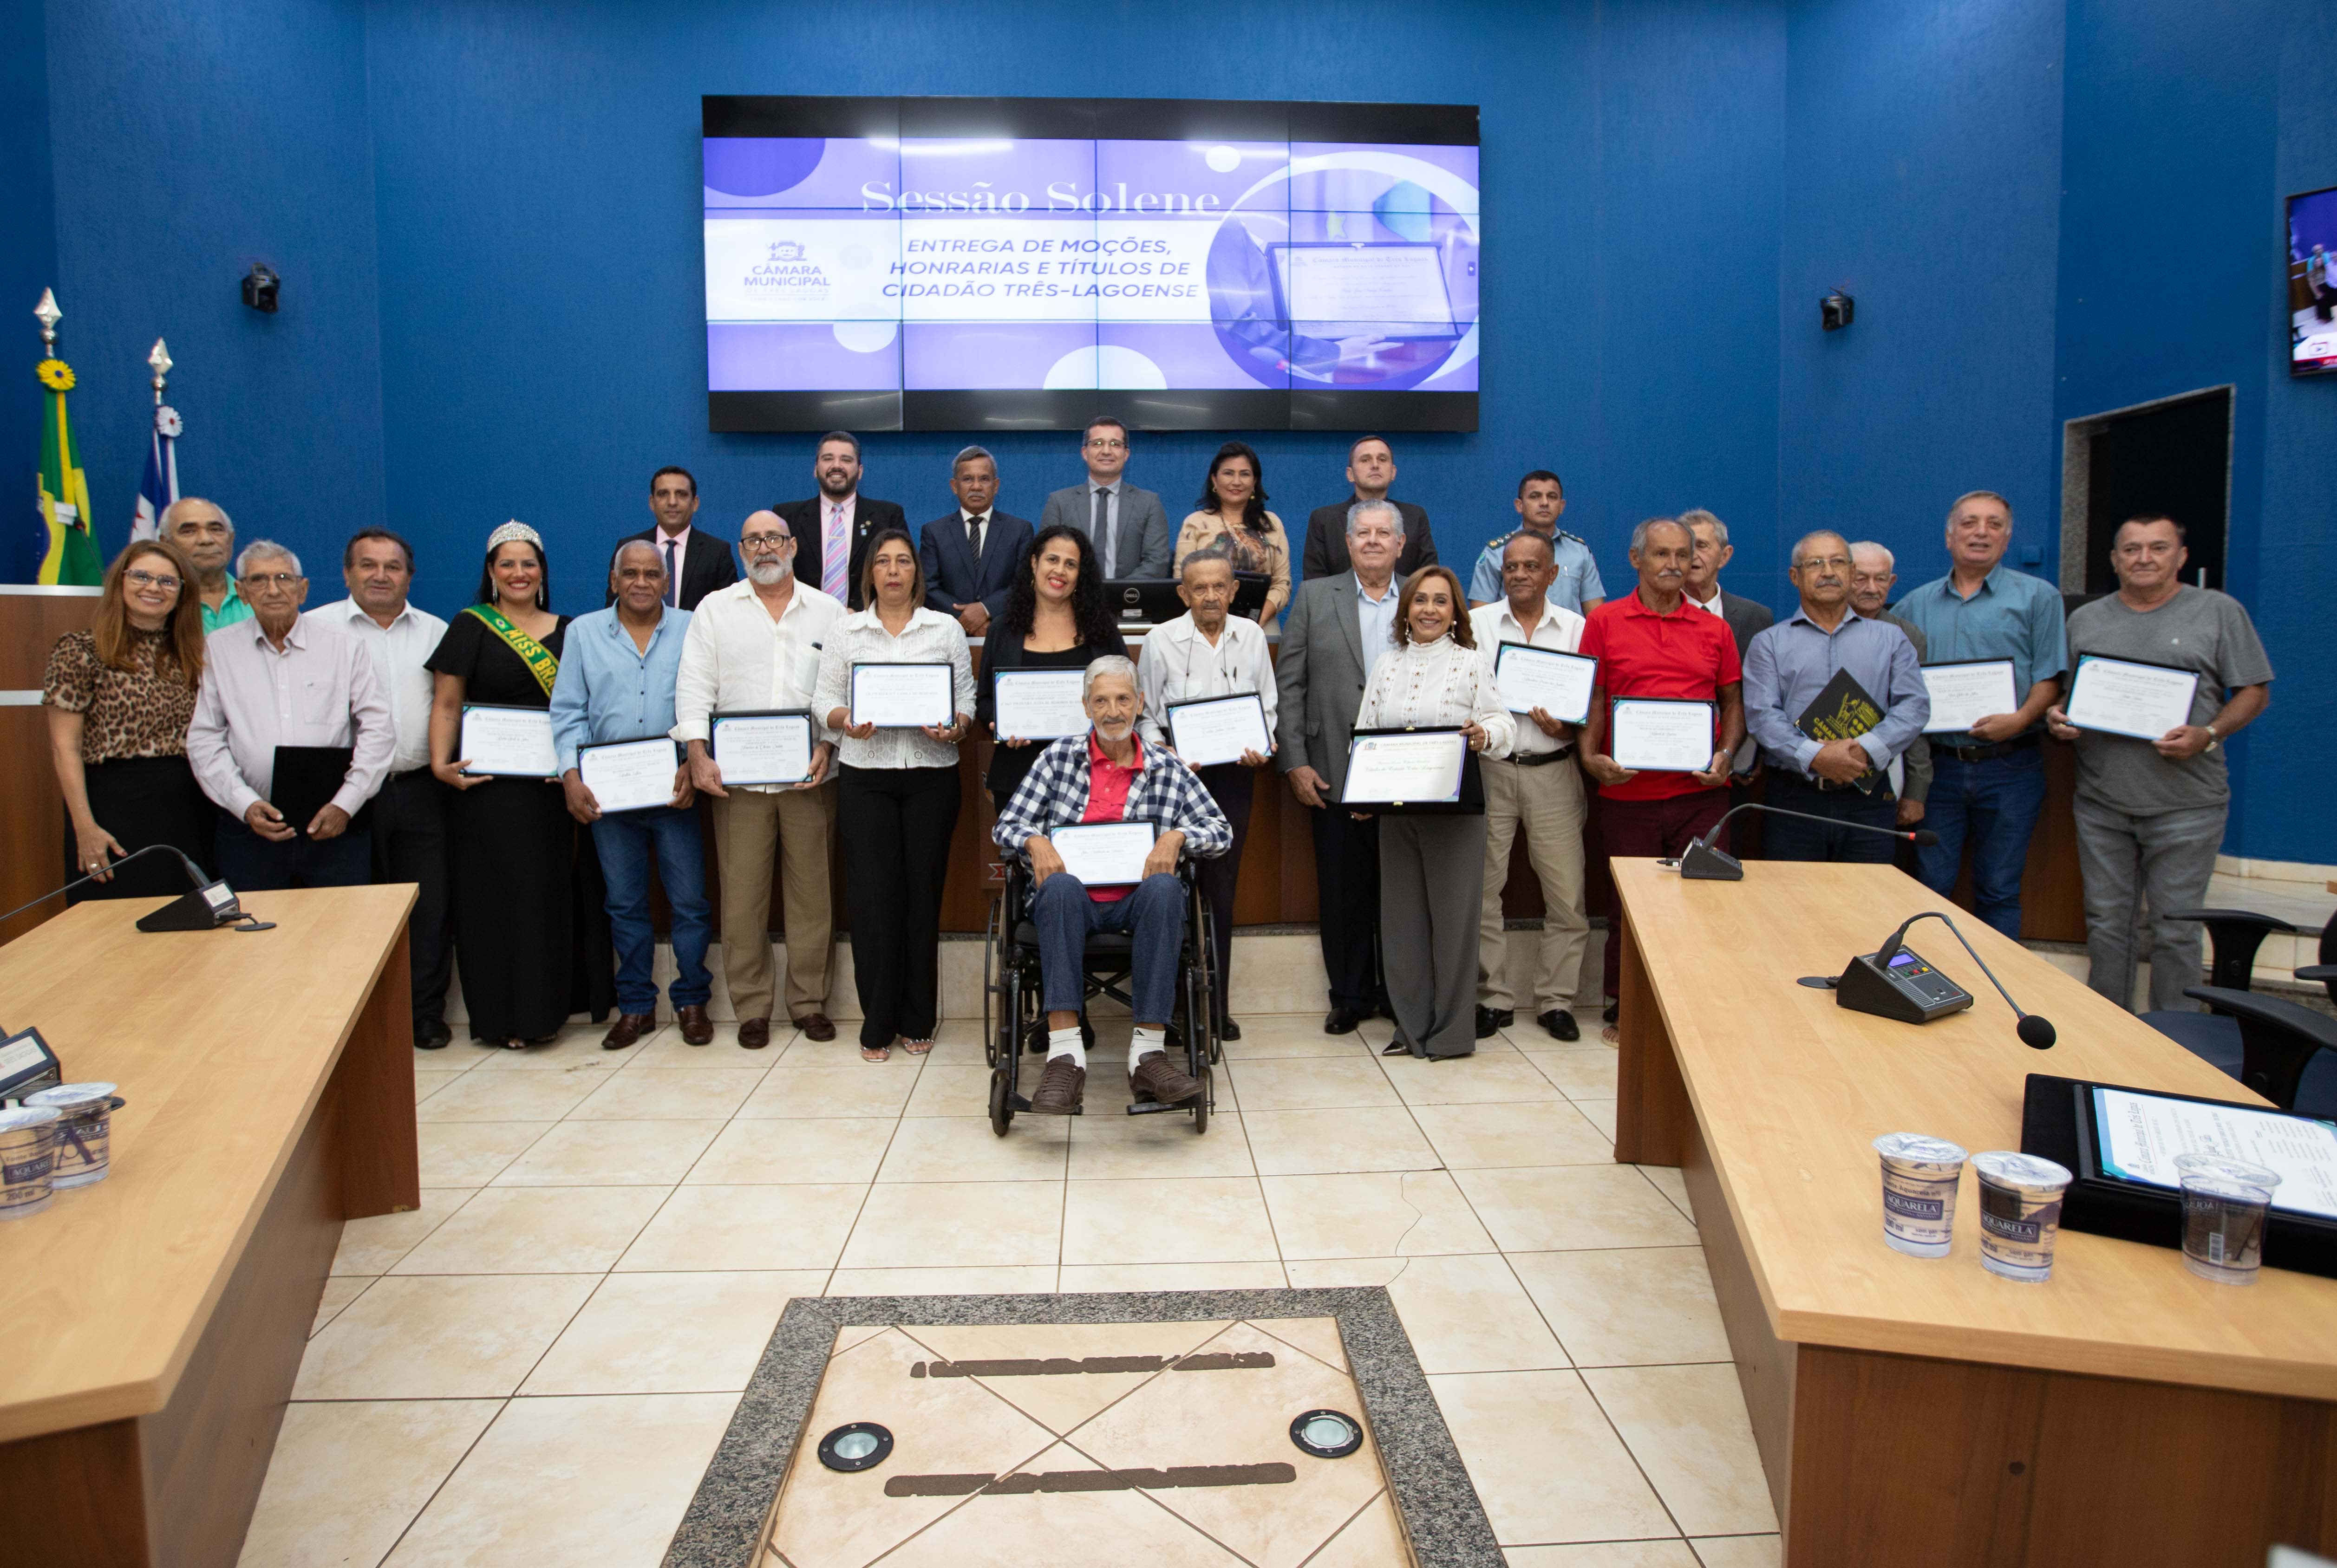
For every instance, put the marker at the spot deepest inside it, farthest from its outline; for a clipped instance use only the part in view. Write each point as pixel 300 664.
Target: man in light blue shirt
pixel 1541 502
pixel 616 683
pixel 1989 784
pixel 1788 668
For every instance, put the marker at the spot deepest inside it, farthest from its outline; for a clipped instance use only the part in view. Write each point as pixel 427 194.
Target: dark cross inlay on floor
pixel 1024 1482
pixel 1066 1366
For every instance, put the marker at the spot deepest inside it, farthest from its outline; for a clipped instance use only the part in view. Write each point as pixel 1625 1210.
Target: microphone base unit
pixel 1703 864
pixel 201 909
pixel 1904 987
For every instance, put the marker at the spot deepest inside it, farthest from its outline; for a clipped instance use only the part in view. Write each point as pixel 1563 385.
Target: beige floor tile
pixel 1258 1275
pixel 1687 1429
pixel 669 1333
pixel 855 1090
pixel 1543 1460
pixel 1320 1143
pixel 1375 1215
pixel 1602 1113
pixel 373 1245
pixel 718 1229
pixel 1108 1144
pixel 1317 1337
pixel 1462 1314
pixel 489 1095
pixel 1641 1306
pixel 1672 1554
pixel 536 1231
pixel 347 1478
pixel 1300 1034
pixel 1554 1207
pixel 340 1290
pixel 1541 1133
pixel 428 1081
pixel 668 1050
pixel 1311 1084
pixel 965 1149
pixel 1060 1530
pixel 578 1047
pixel 1672 1184
pixel 473 1154
pixel 454 1058
pixel 585 1480
pixel 1737 1551
pixel 795 1150
pixel 959 1046
pixel 581 1153
pixel 466 1337
pixel 963 1089
pixel 1011 1279
pixel 943 1224
pixel 1587 1073
pixel 1192 1220
pixel 1372 1539
pixel 667 1094
pixel 1487 1078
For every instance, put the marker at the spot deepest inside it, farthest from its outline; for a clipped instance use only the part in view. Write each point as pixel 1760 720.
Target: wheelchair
pixel 1015 1014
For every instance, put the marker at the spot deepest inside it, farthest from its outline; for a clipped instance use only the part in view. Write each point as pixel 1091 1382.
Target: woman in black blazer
pixel 1055 618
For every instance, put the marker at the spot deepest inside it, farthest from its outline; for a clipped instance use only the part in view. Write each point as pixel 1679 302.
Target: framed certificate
pixel 903 695
pixel 764 748
pixel 2123 696
pixel 629 775
pixel 1963 693
pixel 1105 854
pixel 1426 771
pixel 1653 735
pixel 1211 730
pixel 507 742
pixel 1558 682
pixel 1039 703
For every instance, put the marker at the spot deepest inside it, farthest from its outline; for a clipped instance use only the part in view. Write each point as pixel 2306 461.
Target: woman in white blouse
pixel 896 798
pixel 1432 868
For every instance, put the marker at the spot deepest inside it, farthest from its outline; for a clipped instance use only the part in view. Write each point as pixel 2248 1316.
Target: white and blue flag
pixel 160 488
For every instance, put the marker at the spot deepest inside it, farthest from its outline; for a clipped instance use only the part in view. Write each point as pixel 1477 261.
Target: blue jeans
pixel 1996 804
pixel 628 841
pixel 1154 915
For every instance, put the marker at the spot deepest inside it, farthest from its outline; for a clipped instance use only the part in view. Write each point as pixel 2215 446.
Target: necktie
pixel 973 542
pixel 672 578
pixel 1099 532
pixel 836 553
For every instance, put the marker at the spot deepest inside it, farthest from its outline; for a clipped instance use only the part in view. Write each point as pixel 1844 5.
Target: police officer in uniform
pixel 1541 501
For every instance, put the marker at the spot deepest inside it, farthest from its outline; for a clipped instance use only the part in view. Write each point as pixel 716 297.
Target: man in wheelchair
pixel 1110 776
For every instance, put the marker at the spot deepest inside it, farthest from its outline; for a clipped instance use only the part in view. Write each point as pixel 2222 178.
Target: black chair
pixel 2281 1049
pixel 1013 1015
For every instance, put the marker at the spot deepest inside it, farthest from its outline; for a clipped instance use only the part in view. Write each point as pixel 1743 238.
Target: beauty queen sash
pixel 539 659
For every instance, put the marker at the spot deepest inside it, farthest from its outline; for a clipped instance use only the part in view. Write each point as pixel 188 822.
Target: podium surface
pixel 1924 1411
pixel 156 1319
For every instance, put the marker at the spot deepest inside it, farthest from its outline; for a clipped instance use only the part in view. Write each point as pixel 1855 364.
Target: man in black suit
pixel 832 530
pixel 1745 618
pixel 1370 469
pixel 971 556
pixel 696 564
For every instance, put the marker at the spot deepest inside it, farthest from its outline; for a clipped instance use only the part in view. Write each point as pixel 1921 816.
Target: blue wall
pixel 28 262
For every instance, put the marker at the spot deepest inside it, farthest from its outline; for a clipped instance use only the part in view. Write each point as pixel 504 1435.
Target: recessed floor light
pixel 1327 1434
pixel 862 1446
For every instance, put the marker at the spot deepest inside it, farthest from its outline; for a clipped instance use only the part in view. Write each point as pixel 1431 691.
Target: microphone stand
pixel 1702 863
pixel 209 904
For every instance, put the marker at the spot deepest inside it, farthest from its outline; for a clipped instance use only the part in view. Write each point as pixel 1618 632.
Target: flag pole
pixel 160 487
pixel 160 362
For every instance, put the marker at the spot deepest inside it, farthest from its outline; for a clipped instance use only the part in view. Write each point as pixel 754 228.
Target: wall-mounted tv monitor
pixel 1028 263
pixel 2312 282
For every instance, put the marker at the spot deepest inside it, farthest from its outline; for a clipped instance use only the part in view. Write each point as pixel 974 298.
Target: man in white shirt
pixel 1208 653
pixel 409 813
pixel 1537 788
pixel 755 647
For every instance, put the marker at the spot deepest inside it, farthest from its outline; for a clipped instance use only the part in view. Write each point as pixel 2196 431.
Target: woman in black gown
pixel 1055 618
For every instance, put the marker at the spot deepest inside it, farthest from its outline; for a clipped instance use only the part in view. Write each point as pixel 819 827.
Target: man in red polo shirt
pixel 1651 643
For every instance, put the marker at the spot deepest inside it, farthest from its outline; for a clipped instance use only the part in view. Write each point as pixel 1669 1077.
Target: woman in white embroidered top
pixel 896 798
pixel 1432 868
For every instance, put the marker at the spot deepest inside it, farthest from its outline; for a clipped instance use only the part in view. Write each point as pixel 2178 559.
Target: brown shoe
pixel 816 1026
pixel 628 1030
pixel 754 1034
pixel 1162 1079
pixel 696 1028
pixel 1061 1087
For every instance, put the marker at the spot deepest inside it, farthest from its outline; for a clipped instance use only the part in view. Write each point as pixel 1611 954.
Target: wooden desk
pixel 155 1320
pixel 1916 1411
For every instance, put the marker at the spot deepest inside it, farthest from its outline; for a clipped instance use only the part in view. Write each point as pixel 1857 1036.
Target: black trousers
pixel 1793 840
pixel 895 824
pixel 1347 892
pixel 1232 786
pixel 409 845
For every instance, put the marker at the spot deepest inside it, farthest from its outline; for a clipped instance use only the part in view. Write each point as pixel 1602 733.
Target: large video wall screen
pixel 1011 263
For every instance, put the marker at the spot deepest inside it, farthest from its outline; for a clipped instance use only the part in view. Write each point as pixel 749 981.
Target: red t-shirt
pixel 1108 786
pixel 1689 655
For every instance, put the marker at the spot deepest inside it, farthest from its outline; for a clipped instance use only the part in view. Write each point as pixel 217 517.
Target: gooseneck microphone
pixel 2035 1032
pixel 212 903
pixel 1702 863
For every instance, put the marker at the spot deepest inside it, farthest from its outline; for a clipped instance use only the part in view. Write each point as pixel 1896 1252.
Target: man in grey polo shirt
pixel 2150 813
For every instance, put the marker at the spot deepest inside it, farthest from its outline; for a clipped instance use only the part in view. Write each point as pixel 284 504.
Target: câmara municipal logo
pixel 786 266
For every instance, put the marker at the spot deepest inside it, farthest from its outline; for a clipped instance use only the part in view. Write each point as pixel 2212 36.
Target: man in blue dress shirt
pixel 1787 668
pixel 1541 502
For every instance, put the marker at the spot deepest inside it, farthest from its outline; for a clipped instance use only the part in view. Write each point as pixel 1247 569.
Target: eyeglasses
pixel 137 578
pixel 1109 445
pixel 764 540
pixel 270 578
pixel 1839 562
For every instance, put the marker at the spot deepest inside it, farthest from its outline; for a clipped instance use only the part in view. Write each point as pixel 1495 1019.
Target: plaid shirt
pixel 1055 791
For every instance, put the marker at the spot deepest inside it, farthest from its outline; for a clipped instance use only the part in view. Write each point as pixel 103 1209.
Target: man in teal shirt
pixel 202 528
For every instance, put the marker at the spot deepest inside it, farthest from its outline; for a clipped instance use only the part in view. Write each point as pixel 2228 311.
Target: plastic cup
pixel 2223 1220
pixel 2204 1164
pixel 1919 1193
pixel 28 1138
pixel 2020 1213
pixel 85 1131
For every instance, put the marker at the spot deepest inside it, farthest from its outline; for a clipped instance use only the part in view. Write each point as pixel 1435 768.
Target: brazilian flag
pixel 71 557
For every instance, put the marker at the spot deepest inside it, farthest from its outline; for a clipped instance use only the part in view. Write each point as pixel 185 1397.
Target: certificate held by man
pixel 1556 682
pixel 762 748
pixel 1651 735
pixel 1420 767
pixel 507 742
pixel 2122 697
pixel 628 776
pixel 1219 729
pixel 1105 854
pixel 903 696
pixel 1965 692
pixel 1039 703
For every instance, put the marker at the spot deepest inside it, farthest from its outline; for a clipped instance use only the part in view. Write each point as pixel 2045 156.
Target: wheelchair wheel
pixel 1001 1096
pixel 1206 965
pixel 990 1042
pixel 1201 1105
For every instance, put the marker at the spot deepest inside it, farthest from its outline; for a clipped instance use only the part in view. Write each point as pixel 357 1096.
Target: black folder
pixel 306 779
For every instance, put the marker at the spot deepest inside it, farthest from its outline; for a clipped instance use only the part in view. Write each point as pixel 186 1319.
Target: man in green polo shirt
pixel 202 528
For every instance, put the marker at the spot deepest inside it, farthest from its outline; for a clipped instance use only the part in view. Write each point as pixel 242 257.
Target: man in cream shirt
pixel 1537 788
pixel 1207 652
pixel 755 647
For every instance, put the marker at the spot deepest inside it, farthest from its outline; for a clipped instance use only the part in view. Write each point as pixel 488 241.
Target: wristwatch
pixel 2213 740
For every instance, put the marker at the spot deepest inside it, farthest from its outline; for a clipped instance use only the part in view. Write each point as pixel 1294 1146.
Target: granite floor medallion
pixel 1210 1428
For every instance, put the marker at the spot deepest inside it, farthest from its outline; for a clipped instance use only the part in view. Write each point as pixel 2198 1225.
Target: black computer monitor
pixel 1151 600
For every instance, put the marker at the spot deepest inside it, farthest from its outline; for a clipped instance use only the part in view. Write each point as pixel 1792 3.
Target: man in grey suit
pixel 1339 627
pixel 1127 525
pixel 971 556
pixel 1873 572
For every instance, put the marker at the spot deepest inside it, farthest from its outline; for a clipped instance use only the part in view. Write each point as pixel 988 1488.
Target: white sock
pixel 1067 1043
pixel 1142 1041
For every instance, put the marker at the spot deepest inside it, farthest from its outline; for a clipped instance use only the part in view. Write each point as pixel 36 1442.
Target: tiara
pixel 514 530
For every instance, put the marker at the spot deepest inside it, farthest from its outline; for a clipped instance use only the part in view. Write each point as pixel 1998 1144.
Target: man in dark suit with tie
pixel 1371 470
pixel 971 556
pixel 832 530
pixel 697 563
